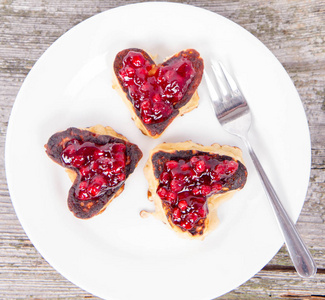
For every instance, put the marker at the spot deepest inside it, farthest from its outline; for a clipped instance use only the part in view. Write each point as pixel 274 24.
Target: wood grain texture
pixel 293 30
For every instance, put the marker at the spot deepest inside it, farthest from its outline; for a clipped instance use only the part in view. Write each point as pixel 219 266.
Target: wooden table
pixel 293 30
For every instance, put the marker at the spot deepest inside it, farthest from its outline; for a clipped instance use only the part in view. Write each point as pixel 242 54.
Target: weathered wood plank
pixel 293 30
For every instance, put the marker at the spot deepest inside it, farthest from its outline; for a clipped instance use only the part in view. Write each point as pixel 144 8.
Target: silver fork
pixel 234 115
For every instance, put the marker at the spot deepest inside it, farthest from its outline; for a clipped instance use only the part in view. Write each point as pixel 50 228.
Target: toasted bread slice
pixel 157 94
pixel 188 182
pixel 98 161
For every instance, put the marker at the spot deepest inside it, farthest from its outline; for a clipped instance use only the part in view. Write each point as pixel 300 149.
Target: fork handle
pixel 300 256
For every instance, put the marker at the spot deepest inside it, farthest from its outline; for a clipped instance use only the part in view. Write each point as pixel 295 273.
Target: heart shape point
pixel 157 94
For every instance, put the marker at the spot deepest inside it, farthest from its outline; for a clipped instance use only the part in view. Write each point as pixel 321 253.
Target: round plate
pixel 118 255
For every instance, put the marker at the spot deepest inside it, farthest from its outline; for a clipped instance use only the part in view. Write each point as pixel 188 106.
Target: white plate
pixel 118 255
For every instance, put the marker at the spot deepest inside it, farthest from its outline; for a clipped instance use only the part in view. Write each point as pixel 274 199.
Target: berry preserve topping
pixel 185 184
pixel 155 89
pixel 100 166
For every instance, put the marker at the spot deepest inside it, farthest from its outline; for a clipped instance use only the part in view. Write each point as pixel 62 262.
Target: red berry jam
pixel 154 90
pixel 185 184
pixel 100 166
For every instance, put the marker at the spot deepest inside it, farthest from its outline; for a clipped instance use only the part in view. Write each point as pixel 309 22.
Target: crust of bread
pixel 214 201
pixel 189 106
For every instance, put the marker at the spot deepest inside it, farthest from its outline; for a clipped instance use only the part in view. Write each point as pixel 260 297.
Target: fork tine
pixel 219 80
pixel 212 91
pixel 228 78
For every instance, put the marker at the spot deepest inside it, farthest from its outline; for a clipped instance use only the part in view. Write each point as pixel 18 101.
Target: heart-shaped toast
pixel 188 181
pixel 98 161
pixel 157 94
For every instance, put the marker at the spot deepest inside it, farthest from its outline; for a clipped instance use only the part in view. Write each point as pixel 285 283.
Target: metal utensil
pixel 234 115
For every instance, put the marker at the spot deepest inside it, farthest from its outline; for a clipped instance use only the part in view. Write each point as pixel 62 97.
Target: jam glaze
pixel 155 90
pixel 187 181
pixel 98 165
pixel 156 94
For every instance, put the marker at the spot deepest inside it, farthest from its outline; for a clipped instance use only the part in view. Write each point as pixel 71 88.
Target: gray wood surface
pixel 293 30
